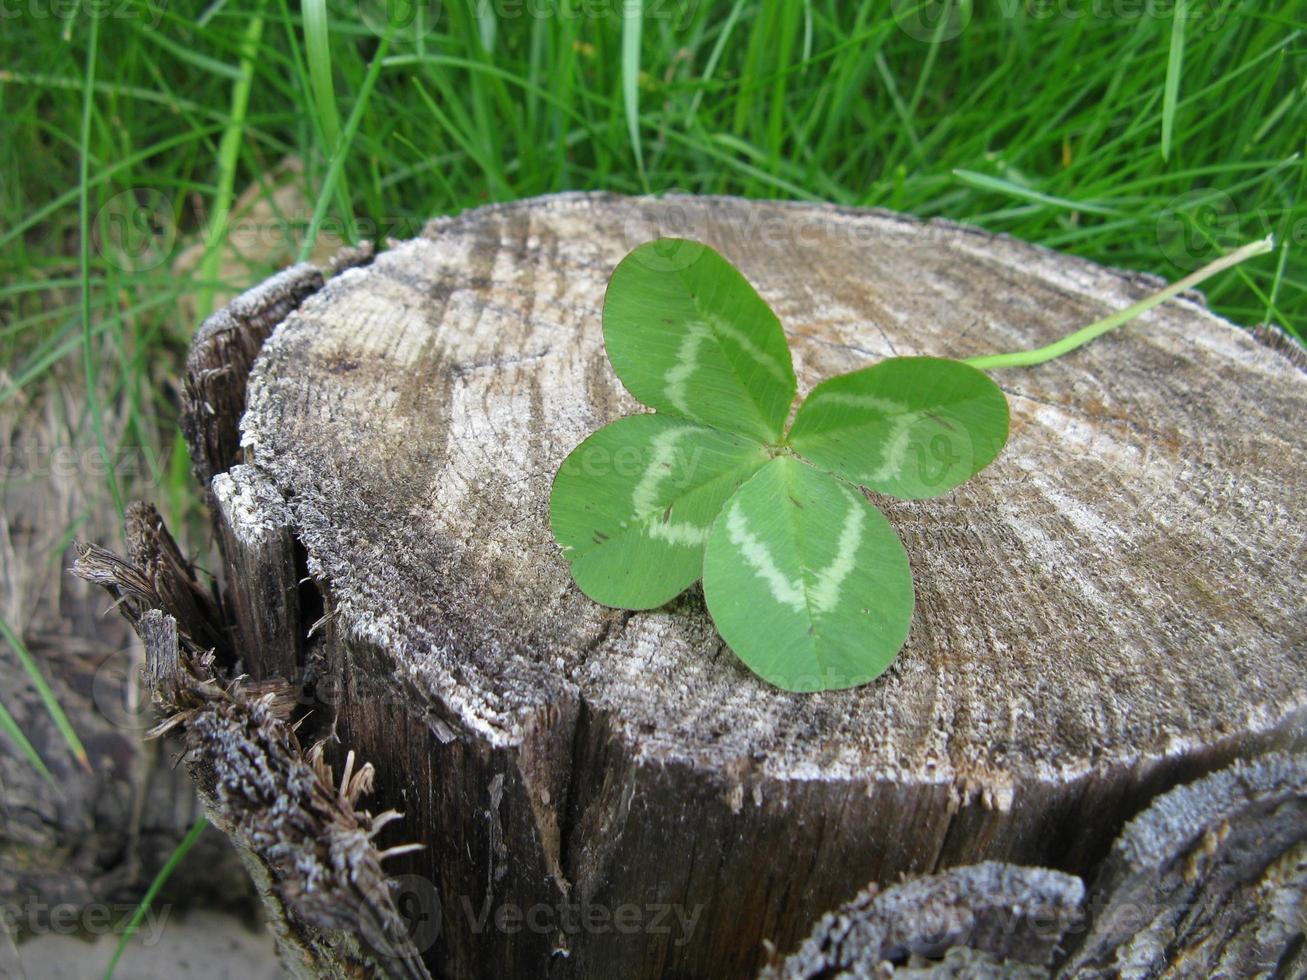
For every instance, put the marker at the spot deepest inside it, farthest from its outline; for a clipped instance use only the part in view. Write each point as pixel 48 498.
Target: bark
pixel 305 840
pixel 992 919
pixel 1210 880
pixel 1110 610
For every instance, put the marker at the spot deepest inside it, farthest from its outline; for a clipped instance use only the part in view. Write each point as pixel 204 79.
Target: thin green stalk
pixel 43 690
pixel 317 49
pixel 322 93
pixel 228 154
pixel 1027 358
pixel 985 182
pixel 169 866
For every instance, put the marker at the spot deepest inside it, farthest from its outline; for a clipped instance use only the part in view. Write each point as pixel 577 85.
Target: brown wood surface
pixel 1110 609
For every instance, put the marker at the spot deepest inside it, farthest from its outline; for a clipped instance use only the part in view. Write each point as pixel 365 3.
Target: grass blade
pixel 632 27
pixel 174 859
pixel 317 48
pixel 1174 65
pixel 228 154
pixel 89 366
pixel 330 181
pixel 51 703
pixel 998 185
pixel 10 728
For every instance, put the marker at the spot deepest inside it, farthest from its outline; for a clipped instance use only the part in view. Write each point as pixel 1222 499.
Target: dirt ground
pixel 201 945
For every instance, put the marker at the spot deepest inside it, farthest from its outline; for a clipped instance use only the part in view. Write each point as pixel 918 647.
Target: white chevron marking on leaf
pixel 728 329
pixel 644 498
pixel 687 359
pixel 900 427
pixel 826 592
pixel 759 557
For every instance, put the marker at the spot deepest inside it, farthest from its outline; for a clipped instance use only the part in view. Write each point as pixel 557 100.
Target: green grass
pixel 1085 133
pixel 1138 140
pixel 169 866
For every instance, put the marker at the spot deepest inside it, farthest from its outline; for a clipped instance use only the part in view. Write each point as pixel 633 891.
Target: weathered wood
pixel 1209 881
pixel 221 355
pixel 1008 919
pixel 94 838
pixel 86 843
pixel 305 841
pixel 1111 609
pixel 263 573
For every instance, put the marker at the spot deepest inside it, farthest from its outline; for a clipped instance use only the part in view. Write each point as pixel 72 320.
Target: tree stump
pixel 1113 608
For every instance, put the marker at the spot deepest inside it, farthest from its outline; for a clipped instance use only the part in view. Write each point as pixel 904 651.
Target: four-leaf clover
pixel 805 579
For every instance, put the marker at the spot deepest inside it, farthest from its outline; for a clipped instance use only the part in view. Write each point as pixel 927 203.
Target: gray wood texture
pixel 1209 881
pixel 83 845
pixel 1113 608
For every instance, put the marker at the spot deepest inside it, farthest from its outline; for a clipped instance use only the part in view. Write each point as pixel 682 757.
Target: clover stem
pixel 1027 358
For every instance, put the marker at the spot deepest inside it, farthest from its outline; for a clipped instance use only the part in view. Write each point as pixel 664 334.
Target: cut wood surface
pixel 1111 608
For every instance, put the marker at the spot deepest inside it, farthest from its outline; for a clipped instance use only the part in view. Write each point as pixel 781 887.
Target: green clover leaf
pixel 806 580
pixel 692 338
pixel 909 427
pixel 804 577
pixel 632 505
